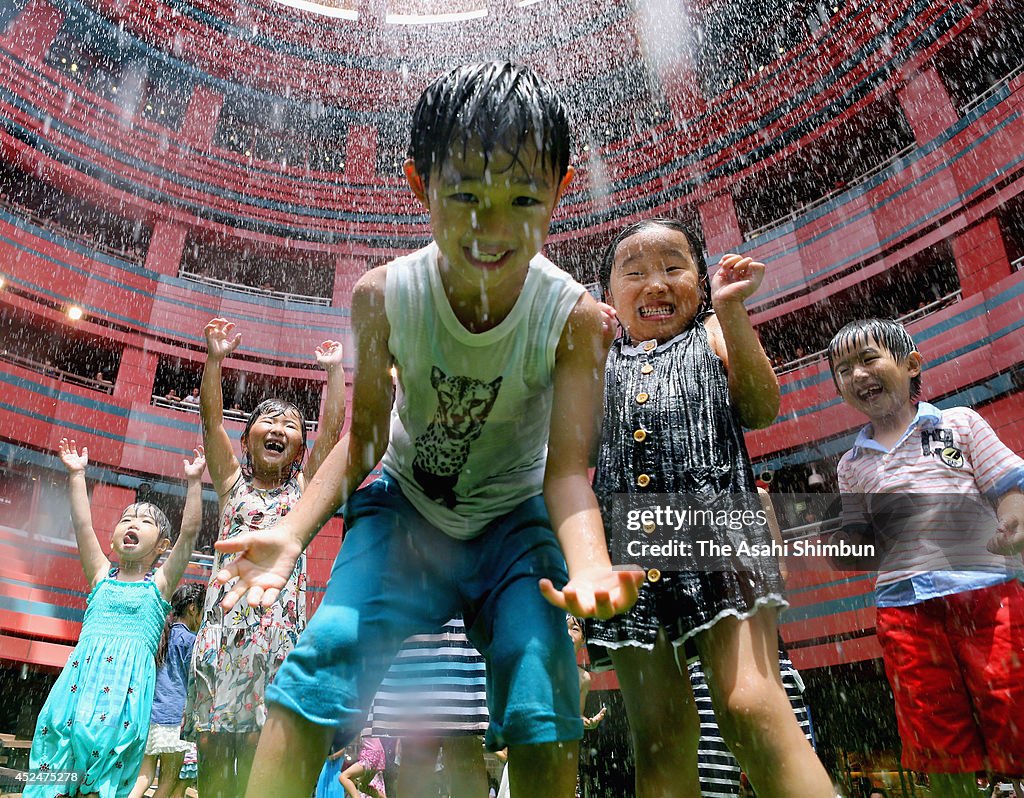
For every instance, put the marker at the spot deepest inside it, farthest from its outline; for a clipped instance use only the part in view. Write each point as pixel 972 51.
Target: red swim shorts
pixel 955 666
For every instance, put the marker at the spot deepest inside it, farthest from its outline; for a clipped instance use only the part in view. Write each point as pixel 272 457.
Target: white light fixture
pixel 815 480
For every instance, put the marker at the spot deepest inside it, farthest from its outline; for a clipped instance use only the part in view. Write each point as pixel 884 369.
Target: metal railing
pixel 75 234
pixel 906 318
pixel 188 407
pixel 285 296
pixel 49 370
pixel 980 99
pixel 860 179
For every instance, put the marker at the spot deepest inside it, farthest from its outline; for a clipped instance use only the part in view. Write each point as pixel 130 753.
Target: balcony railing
pixel 302 299
pixel 49 370
pixel 79 235
pixel 809 206
pixel 980 99
pixel 234 415
pixel 907 318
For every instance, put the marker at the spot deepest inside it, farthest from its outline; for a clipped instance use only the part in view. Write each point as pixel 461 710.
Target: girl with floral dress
pixel 91 734
pixel 238 652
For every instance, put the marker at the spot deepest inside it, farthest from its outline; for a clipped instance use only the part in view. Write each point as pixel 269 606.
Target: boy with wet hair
pixel 950 609
pixel 499 358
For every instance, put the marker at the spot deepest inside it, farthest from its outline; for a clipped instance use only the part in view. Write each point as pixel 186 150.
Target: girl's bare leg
pixel 170 767
pixel 145 777
pixel 224 763
pixel 741 661
pixel 663 720
pixel 546 770
pixel 417 775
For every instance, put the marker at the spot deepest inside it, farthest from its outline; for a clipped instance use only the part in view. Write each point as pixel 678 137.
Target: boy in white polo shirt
pixel 950 609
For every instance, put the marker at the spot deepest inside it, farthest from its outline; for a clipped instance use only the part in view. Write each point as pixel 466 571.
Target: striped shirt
pixel 436 686
pixel 933 493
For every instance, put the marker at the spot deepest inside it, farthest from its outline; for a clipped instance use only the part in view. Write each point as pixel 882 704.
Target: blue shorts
pixel 397 575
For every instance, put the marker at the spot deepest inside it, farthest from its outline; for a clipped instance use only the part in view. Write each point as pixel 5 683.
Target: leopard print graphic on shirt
pixel 463 405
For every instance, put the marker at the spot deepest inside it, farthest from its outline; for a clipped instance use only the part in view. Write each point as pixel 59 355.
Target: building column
pixel 361 154
pixel 166 246
pixel 720 225
pixel 35 28
pixel 347 269
pixel 981 257
pixel 201 116
pixel 136 375
pixel 926 103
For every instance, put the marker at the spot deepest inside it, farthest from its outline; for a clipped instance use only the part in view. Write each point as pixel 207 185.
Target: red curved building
pixel 168 161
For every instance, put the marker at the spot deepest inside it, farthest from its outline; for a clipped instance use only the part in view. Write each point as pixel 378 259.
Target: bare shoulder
pixel 583 325
pixel 716 339
pixel 368 298
pixel 371 284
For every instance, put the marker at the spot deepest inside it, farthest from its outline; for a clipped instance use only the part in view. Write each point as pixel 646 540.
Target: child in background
pixel 498 356
pixel 173 661
pixel 96 718
pixel 950 612
pixel 364 778
pixel 678 386
pixel 434 699
pixel 237 653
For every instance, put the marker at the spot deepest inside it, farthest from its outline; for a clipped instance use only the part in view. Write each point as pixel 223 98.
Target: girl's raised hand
pixel 329 355
pixel 609 323
pixel 72 460
pixel 736 279
pixel 194 470
pixel 219 340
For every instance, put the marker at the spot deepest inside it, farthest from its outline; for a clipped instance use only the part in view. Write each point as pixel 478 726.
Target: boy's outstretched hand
pixel 1009 537
pixel 599 594
pixel 69 456
pixel 265 563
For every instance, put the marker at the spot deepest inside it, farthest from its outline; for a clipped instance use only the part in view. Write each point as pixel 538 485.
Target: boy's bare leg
pixel 741 662
pixel 417 775
pixel 464 763
pixel 952 785
pixel 289 757
pixel 546 770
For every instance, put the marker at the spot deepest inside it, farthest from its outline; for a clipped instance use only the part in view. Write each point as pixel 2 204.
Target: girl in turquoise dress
pixel 95 720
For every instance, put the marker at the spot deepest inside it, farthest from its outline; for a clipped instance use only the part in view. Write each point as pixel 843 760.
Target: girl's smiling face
pixel 655 284
pixel 274 441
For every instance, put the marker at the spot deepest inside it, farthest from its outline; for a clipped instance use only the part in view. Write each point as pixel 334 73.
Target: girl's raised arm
pixel 328 355
pixel 169 574
pixel 94 562
pixel 223 464
pixel 753 386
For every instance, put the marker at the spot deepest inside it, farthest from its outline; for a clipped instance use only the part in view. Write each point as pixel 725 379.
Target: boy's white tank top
pixel 469 427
